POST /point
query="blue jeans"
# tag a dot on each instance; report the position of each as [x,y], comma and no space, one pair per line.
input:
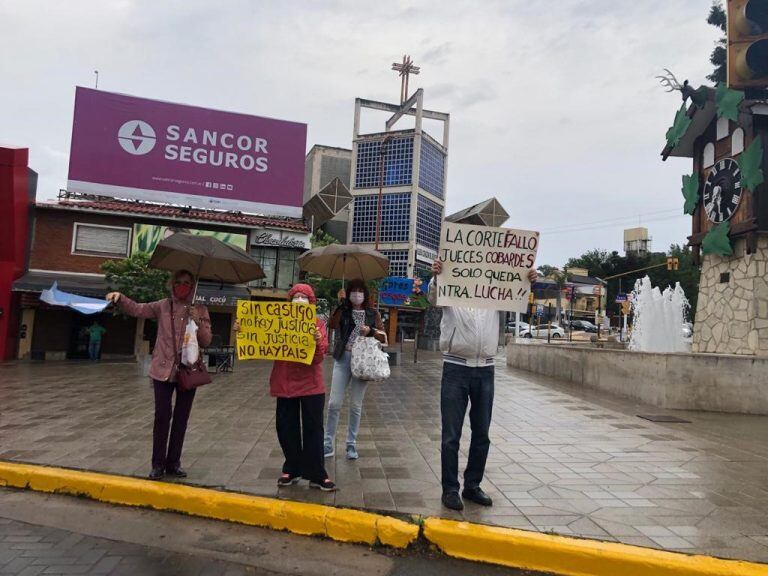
[460,386]
[342,377]
[93,350]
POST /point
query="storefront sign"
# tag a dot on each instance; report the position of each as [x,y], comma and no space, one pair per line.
[279,238]
[147,236]
[276,331]
[425,254]
[485,267]
[395,291]
[131,147]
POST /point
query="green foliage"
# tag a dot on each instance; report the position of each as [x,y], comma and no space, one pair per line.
[750,164]
[690,192]
[134,278]
[717,242]
[322,238]
[679,127]
[601,263]
[727,102]
[719,53]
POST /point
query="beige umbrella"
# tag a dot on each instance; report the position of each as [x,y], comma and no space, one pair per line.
[342,261]
[206,257]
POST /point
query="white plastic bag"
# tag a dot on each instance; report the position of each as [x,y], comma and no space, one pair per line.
[369,361]
[190,350]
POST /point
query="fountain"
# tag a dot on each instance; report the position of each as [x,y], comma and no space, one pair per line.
[659,318]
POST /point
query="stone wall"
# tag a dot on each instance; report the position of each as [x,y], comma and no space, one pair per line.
[732,316]
[712,382]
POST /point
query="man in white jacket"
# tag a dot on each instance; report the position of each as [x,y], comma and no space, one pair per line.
[469,339]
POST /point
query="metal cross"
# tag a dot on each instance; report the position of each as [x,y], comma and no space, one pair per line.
[405,69]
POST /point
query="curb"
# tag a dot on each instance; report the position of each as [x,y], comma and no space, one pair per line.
[495,545]
[340,524]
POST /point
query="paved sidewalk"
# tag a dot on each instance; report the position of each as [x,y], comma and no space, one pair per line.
[562,460]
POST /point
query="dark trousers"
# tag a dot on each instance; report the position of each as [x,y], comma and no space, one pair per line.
[462,385]
[167,454]
[299,423]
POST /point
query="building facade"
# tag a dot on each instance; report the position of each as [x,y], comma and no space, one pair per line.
[399,183]
[71,239]
[327,173]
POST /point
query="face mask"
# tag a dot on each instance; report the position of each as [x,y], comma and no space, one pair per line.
[182,291]
[300,300]
[356,298]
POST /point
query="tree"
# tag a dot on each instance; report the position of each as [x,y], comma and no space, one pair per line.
[134,278]
[719,55]
[560,278]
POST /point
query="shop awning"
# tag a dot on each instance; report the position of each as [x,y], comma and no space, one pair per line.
[76,284]
[209,293]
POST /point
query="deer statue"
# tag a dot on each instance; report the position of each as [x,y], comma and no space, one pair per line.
[698,96]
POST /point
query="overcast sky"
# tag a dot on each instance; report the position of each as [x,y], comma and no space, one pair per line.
[555,111]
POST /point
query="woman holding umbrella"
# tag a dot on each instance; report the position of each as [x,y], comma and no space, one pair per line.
[172,315]
[354,318]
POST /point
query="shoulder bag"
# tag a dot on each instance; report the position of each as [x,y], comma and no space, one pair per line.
[188,377]
[369,361]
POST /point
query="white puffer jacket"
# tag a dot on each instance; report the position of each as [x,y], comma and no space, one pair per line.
[468,336]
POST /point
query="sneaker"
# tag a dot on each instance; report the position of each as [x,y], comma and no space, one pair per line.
[352,452]
[157,473]
[328,451]
[326,485]
[287,480]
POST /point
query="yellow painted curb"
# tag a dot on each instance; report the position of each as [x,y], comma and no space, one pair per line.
[308,519]
[573,556]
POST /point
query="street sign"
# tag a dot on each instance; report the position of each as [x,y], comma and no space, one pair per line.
[621,298]
[539,309]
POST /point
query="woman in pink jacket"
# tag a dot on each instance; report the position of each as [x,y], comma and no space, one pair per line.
[178,309]
[300,393]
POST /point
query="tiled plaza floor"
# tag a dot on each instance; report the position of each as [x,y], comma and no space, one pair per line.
[562,460]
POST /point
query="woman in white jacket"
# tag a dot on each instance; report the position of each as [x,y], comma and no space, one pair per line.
[469,339]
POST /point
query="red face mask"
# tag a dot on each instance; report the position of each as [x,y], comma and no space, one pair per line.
[182,291]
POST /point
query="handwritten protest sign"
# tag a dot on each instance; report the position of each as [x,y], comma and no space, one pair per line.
[485,267]
[395,291]
[276,331]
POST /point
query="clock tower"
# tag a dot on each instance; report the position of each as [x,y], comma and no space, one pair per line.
[725,133]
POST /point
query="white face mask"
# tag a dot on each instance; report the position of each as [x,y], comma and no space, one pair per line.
[356,298]
[300,300]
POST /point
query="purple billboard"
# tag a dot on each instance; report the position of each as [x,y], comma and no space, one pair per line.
[128,147]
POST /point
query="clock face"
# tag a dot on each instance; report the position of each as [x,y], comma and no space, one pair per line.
[722,190]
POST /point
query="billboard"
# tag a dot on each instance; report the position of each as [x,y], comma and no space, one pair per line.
[147,236]
[128,147]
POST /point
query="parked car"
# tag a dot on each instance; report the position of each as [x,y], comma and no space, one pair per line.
[510,327]
[542,330]
[583,325]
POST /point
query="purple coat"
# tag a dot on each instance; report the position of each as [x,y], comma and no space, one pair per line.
[163,366]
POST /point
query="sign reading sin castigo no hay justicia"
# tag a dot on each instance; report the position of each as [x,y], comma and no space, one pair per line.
[276,331]
[485,267]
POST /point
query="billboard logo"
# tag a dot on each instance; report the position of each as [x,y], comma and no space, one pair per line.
[136,137]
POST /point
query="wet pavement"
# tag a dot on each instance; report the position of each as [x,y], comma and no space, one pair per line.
[562,460]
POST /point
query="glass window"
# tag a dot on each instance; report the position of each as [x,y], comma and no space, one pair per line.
[429,220]
[267,258]
[398,262]
[101,240]
[395,218]
[288,270]
[398,163]
[431,168]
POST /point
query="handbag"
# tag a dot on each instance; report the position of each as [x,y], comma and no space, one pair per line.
[369,361]
[188,377]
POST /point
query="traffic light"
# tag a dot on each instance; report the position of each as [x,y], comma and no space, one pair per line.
[672,263]
[747,43]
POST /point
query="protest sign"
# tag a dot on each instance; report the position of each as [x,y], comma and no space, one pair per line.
[276,331]
[485,267]
[395,291]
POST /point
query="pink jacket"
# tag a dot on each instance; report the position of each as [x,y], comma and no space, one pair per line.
[293,379]
[163,365]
